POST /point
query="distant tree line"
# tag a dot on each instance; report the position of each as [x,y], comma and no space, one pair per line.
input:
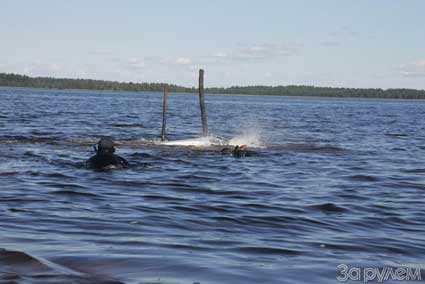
[15,80]
[323,92]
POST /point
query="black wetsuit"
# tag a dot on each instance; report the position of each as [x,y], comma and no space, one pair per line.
[238,152]
[105,161]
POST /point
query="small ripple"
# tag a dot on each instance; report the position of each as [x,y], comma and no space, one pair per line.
[199,178]
[229,220]
[124,125]
[266,251]
[415,171]
[142,155]
[184,247]
[346,247]
[185,208]
[197,189]
[396,135]
[310,148]
[363,178]
[8,173]
[73,193]
[18,139]
[154,197]
[58,175]
[214,208]
[399,149]
[219,243]
[22,199]
[329,208]
[405,184]
[18,210]
[61,185]
[351,197]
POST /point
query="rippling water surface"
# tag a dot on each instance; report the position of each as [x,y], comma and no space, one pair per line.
[334,181]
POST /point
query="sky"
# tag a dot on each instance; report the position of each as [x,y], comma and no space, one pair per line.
[337,43]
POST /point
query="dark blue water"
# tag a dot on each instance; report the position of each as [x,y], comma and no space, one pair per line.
[336,181]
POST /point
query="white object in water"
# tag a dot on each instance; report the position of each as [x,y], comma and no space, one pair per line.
[200,142]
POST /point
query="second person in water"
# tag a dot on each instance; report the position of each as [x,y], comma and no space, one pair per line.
[105,157]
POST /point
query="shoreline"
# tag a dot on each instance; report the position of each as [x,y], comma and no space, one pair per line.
[212,94]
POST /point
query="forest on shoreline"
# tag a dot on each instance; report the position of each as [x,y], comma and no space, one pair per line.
[16,80]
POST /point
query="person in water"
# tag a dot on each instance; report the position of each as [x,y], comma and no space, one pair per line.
[105,157]
[238,151]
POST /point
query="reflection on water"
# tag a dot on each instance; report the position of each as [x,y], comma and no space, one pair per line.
[334,181]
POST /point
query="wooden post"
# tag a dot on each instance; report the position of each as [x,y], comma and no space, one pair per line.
[164,113]
[202,103]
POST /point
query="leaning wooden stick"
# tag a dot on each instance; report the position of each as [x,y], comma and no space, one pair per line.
[202,103]
[164,113]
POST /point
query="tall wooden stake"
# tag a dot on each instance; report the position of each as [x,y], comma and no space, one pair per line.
[164,113]
[202,103]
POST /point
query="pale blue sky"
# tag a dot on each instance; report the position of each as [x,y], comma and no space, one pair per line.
[350,43]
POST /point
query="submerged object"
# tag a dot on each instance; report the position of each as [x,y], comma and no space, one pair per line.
[199,142]
[105,157]
[238,151]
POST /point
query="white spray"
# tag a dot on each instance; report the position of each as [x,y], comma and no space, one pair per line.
[251,137]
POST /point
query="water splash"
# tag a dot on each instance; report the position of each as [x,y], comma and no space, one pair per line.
[251,137]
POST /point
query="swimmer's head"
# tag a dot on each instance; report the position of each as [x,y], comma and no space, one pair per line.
[106,145]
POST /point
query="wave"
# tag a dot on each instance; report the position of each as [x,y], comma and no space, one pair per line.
[73,193]
[124,125]
[329,208]
[16,266]
[314,148]
[19,139]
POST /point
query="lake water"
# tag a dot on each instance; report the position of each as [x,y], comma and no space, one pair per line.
[334,181]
